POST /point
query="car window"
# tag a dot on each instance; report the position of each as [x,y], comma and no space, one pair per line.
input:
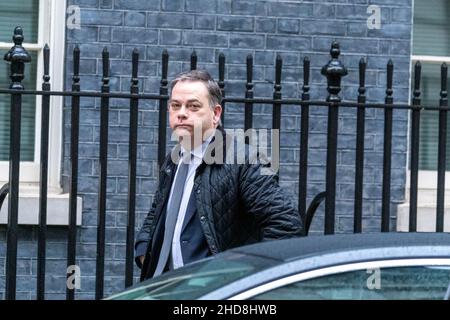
[197,279]
[418,282]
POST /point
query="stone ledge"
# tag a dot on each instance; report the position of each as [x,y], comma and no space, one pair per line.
[57,210]
[426,218]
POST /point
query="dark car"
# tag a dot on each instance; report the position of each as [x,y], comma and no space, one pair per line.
[352,266]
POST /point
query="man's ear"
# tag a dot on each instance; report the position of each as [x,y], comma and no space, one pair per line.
[217,113]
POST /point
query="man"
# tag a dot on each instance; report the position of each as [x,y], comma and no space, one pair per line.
[203,208]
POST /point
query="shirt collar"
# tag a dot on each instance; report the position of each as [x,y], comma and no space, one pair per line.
[199,152]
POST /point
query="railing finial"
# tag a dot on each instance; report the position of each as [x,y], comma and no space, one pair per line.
[334,70]
[17,56]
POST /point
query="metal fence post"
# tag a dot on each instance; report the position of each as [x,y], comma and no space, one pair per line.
[163,90]
[42,231]
[387,152]
[443,104]
[222,84]
[248,109]
[132,161]
[359,157]
[103,157]
[73,191]
[415,144]
[304,141]
[17,56]
[334,70]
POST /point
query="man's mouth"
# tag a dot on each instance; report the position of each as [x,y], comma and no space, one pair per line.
[183,126]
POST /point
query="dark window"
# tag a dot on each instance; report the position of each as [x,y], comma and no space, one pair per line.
[423,282]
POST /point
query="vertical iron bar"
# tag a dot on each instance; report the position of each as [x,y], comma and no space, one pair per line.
[163,90]
[276,115]
[248,118]
[103,163]
[333,116]
[387,153]
[334,71]
[222,83]
[42,231]
[194,60]
[134,104]
[415,127]
[443,103]
[359,159]
[13,204]
[75,129]
[304,135]
[17,56]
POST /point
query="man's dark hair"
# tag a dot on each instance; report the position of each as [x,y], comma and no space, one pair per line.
[215,96]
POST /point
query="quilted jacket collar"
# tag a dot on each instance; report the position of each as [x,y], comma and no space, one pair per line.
[168,165]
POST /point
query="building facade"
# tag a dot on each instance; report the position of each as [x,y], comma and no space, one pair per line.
[376,30]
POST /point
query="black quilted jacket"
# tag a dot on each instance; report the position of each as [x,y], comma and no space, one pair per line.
[236,205]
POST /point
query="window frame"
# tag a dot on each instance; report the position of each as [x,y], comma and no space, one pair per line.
[428,178]
[51,30]
[330,270]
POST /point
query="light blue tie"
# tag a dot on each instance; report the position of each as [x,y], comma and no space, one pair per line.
[173,209]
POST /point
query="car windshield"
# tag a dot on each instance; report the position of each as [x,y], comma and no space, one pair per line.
[197,279]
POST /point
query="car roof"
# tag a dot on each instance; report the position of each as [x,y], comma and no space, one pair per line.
[298,248]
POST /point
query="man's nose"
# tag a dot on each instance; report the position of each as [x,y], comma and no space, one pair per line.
[182,113]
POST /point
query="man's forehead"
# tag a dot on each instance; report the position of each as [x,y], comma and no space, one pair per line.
[190,86]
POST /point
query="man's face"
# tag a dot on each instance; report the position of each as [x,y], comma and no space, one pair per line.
[189,107]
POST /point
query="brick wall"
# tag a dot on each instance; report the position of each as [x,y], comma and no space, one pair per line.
[293,29]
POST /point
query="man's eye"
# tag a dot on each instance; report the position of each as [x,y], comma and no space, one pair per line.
[194,106]
[175,106]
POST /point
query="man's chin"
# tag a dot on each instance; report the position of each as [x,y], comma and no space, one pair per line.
[182,132]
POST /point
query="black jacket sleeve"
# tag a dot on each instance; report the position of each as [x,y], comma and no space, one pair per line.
[143,236]
[264,198]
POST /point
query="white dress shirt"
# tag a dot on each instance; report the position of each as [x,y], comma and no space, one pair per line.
[196,157]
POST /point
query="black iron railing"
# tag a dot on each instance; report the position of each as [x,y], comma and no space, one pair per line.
[334,71]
